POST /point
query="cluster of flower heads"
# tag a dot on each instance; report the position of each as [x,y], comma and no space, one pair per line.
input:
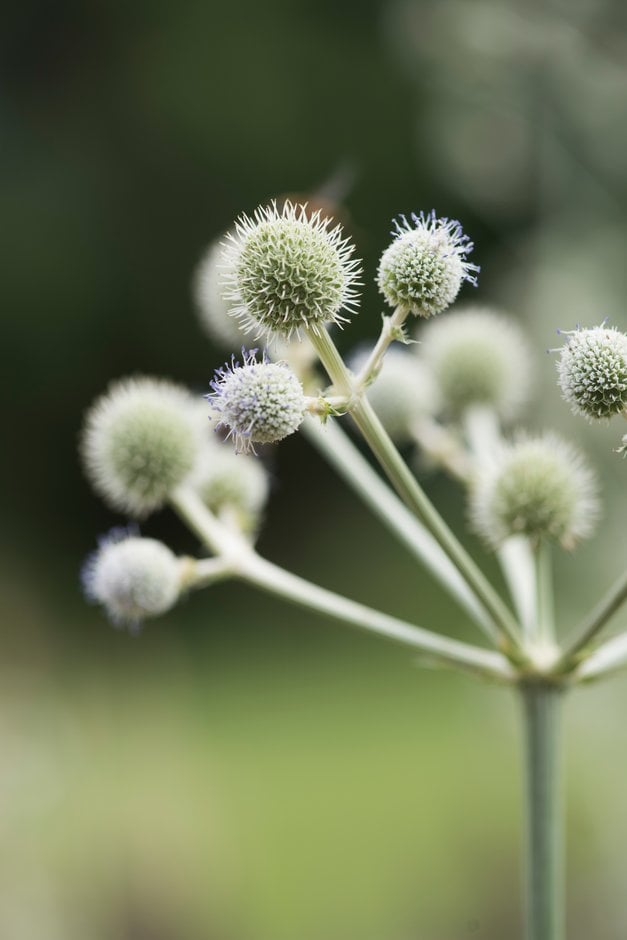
[287,271]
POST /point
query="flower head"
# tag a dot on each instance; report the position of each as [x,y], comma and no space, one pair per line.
[425,266]
[478,357]
[540,487]
[259,402]
[286,269]
[592,372]
[213,310]
[140,440]
[132,577]
[234,483]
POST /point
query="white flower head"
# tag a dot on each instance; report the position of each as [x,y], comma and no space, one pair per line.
[258,402]
[592,372]
[426,264]
[540,487]
[288,268]
[478,356]
[211,307]
[140,440]
[131,577]
[237,484]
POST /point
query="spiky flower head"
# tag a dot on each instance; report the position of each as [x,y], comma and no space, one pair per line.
[258,402]
[288,268]
[211,307]
[402,392]
[140,440]
[132,577]
[426,264]
[540,487]
[236,484]
[592,372]
[478,357]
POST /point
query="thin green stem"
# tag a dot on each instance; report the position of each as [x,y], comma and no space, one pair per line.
[392,330]
[545,618]
[598,617]
[505,631]
[338,449]
[243,562]
[544,905]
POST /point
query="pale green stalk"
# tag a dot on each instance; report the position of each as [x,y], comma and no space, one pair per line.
[392,330]
[609,657]
[544,869]
[335,445]
[243,562]
[598,617]
[412,493]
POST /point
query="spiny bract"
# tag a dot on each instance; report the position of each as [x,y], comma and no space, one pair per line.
[425,266]
[286,269]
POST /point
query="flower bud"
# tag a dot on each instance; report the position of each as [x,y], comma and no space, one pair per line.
[539,487]
[132,577]
[285,269]
[478,357]
[140,441]
[258,402]
[232,482]
[425,266]
[592,372]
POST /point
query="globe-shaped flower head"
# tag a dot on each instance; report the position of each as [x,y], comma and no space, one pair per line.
[285,269]
[426,264]
[141,439]
[132,577]
[258,402]
[592,372]
[538,487]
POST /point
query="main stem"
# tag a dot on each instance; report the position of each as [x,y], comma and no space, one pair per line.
[544,907]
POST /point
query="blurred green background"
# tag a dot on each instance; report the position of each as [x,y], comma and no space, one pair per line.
[244,771]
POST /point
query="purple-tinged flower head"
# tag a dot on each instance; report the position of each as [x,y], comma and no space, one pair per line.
[257,402]
[425,266]
[288,268]
[131,577]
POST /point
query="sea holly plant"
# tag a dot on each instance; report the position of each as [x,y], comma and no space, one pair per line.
[453,388]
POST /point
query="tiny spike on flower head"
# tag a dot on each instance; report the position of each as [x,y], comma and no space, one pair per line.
[425,266]
[592,372]
[259,402]
[286,269]
[540,487]
[131,577]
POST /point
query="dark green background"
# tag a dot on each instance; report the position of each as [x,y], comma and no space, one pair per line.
[245,770]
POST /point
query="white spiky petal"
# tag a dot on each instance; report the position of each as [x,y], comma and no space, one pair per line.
[288,268]
[541,487]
